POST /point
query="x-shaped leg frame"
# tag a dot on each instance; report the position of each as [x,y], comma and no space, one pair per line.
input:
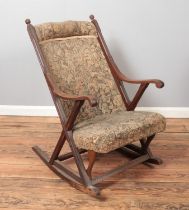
[83,180]
[134,151]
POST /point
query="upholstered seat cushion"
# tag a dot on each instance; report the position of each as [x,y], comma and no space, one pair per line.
[108,132]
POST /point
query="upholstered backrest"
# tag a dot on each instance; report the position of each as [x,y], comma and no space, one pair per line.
[77,65]
[65,29]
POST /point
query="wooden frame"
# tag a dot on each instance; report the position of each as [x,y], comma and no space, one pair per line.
[83,180]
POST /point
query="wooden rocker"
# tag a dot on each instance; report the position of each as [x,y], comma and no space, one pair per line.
[95,111]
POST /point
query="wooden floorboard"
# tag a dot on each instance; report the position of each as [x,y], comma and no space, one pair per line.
[26,183]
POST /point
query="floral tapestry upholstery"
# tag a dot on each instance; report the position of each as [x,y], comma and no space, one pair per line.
[108,132]
[78,66]
[47,31]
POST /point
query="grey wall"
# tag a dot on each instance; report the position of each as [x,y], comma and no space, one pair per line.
[147,38]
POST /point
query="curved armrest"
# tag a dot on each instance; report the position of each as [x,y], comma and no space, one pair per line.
[92,100]
[158,83]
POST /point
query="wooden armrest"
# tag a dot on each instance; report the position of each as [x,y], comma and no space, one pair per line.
[92,100]
[158,83]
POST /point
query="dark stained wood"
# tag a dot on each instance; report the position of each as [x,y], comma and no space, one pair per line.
[119,77]
[91,159]
[67,122]
[26,183]
[91,99]
[69,155]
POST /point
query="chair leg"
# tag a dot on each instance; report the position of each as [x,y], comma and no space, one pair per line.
[91,158]
[146,150]
[155,160]
[64,172]
[58,148]
[134,151]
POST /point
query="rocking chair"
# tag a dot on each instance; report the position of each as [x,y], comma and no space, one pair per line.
[95,111]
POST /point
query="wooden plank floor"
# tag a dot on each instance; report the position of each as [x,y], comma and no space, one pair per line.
[26,183]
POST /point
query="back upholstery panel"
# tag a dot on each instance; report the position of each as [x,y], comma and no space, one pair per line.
[77,66]
[65,29]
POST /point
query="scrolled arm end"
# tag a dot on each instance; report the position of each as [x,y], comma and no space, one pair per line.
[159,84]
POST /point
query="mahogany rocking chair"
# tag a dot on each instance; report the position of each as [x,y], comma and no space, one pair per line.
[95,111]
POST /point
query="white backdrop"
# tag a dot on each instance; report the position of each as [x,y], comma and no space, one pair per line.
[147,38]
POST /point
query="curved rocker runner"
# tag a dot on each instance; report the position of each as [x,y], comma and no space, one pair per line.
[96,114]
